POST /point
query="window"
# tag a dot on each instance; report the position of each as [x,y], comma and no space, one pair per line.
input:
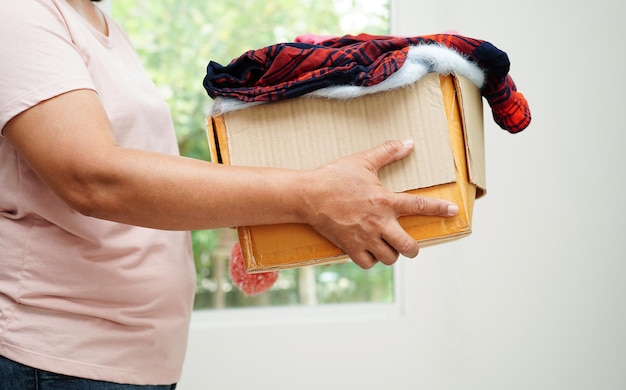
[176,39]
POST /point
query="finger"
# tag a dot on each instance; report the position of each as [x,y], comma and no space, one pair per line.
[383,252]
[407,204]
[401,242]
[363,259]
[388,152]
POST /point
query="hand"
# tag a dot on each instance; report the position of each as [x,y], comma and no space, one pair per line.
[350,207]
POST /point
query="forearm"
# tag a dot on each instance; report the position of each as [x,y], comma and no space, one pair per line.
[75,153]
[177,193]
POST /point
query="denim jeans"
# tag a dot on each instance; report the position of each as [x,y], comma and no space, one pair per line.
[16,376]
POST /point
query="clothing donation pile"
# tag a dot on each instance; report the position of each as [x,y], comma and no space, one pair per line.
[351,66]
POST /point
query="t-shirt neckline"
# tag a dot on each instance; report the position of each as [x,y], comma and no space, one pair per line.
[103,38]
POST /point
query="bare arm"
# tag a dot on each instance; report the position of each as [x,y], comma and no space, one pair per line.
[68,141]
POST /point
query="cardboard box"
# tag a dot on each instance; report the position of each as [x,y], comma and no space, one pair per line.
[443,114]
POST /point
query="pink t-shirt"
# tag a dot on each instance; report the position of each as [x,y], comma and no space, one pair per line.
[78,295]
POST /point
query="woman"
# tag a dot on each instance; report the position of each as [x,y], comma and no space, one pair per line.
[97,278]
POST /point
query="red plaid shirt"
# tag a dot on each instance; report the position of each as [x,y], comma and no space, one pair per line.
[288,70]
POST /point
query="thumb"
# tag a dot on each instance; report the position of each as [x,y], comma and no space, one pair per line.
[388,152]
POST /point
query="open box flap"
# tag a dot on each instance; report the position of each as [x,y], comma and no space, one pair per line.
[307,141]
[472,109]
[313,131]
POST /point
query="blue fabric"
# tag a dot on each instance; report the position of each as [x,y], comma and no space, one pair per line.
[16,376]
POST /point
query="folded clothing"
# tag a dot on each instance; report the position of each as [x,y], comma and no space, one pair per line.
[420,60]
[293,69]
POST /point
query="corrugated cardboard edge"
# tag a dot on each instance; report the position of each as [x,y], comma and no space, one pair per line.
[216,135]
[329,254]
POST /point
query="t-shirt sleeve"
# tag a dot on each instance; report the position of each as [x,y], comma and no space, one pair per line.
[39,60]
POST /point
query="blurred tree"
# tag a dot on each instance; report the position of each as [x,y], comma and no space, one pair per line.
[175,40]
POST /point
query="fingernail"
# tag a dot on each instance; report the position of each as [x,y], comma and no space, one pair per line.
[453,209]
[408,143]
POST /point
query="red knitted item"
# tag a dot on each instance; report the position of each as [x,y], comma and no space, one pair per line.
[249,284]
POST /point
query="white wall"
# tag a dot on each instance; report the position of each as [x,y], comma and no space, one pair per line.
[536,298]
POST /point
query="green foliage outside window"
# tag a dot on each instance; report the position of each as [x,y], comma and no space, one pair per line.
[175,40]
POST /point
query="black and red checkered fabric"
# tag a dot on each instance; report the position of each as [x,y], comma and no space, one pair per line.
[289,70]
